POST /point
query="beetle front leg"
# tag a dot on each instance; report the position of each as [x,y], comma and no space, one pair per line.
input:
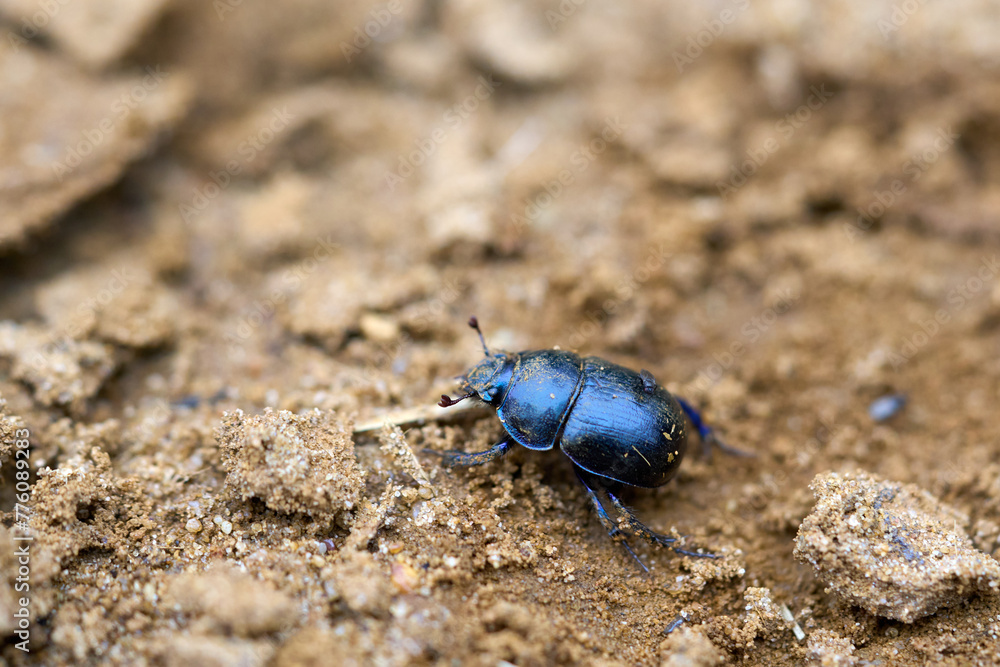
[456,459]
[639,529]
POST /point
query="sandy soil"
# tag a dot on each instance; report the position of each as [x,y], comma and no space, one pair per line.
[238,237]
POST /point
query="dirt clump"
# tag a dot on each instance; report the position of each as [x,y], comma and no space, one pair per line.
[688,647]
[892,548]
[828,649]
[224,600]
[293,463]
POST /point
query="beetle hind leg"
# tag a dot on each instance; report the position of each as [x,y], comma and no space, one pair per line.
[707,435]
[602,515]
[639,529]
[456,459]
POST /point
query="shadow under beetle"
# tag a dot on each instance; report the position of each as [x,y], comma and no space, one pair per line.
[618,427]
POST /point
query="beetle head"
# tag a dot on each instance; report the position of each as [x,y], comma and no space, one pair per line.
[491,377]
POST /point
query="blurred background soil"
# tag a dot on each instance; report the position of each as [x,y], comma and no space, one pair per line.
[237,236]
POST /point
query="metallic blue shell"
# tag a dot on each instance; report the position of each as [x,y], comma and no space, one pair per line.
[606,418]
[541,392]
[618,430]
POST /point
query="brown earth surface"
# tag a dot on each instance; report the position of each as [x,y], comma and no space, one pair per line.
[237,238]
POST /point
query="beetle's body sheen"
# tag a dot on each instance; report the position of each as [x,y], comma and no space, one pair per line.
[616,426]
[609,420]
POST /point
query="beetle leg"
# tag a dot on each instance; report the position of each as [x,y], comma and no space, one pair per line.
[453,459]
[639,529]
[707,435]
[602,515]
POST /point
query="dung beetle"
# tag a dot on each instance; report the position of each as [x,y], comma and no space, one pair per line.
[618,427]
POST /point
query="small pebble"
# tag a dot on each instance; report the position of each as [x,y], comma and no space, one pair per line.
[193,526]
[404,577]
[886,407]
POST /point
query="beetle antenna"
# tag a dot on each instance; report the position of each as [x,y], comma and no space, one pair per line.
[474,323]
[447,401]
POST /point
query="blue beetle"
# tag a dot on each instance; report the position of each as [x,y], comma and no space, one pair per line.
[618,427]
